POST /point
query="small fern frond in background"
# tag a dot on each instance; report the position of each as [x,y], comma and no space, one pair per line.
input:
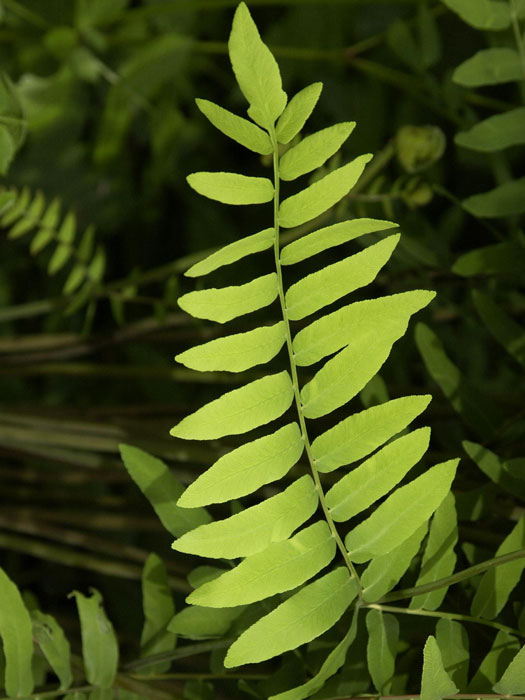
[27,214]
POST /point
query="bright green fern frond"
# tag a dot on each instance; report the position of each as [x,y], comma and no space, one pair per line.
[282,552]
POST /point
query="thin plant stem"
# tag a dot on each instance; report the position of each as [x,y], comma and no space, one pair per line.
[440,614]
[293,368]
[181,653]
[455,578]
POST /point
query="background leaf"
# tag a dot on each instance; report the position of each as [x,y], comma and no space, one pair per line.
[159,609]
[162,490]
[99,643]
[16,633]
[383,631]
[435,683]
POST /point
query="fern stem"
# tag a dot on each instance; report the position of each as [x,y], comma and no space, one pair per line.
[449,616]
[293,369]
[455,578]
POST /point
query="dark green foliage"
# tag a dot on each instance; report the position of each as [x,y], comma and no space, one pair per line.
[97,117]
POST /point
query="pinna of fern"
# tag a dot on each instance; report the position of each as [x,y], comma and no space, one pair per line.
[290,543]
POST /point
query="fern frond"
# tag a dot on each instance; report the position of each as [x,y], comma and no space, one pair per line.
[281,552]
[23,213]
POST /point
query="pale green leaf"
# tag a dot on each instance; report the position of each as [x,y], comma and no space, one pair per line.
[99,643]
[383,636]
[439,558]
[240,410]
[64,249]
[343,376]
[7,200]
[83,255]
[489,67]
[75,279]
[197,622]
[241,130]
[401,514]
[498,259]
[255,69]
[86,245]
[321,195]
[30,218]
[47,227]
[375,477]
[513,680]
[313,151]
[453,642]
[247,468]
[499,657]
[498,582]
[232,252]
[202,574]
[53,643]
[297,112]
[495,133]
[506,331]
[481,14]
[301,618]
[332,664]
[360,325]
[505,200]
[226,303]
[159,609]
[282,566]
[162,490]
[435,683]
[385,571]
[97,265]
[232,188]
[17,208]
[237,352]
[360,434]
[340,380]
[16,634]
[7,150]
[329,237]
[255,528]
[325,286]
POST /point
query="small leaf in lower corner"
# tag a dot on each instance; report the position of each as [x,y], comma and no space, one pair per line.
[99,643]
[513,680]
[16,634]
[435,683]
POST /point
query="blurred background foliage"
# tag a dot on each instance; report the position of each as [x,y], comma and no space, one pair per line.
[98,130]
